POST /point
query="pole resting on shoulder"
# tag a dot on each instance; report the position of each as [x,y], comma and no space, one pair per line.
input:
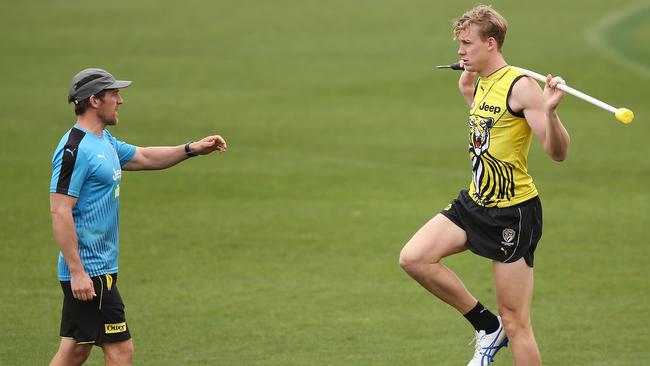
[623,115]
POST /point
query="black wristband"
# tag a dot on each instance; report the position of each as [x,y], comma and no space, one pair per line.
[189,152]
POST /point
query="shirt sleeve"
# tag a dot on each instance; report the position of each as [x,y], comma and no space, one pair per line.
[124,151]
[69,171]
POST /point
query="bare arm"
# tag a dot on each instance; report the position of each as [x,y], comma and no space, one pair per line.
[66,236]
[466,84]
[540,110]
[162,157]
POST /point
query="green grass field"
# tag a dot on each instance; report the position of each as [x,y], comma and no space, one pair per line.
[343,141]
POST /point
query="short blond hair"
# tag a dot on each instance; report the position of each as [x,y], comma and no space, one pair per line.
[489,22]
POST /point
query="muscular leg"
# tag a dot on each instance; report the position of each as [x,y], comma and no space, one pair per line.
[118,353]
[514,289]
[421,256]
[70,353]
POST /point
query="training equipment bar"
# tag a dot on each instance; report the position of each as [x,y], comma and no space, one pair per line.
[622,114]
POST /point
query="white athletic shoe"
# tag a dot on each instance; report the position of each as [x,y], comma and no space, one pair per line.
[487,346]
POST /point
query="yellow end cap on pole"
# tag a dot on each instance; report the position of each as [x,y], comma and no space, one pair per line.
[624,115]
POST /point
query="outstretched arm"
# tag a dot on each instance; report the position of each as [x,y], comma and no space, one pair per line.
[162,157]
[540,110]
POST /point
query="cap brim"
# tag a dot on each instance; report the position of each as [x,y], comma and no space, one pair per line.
[119,84]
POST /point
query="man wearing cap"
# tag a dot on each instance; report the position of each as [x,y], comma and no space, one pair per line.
[84,202]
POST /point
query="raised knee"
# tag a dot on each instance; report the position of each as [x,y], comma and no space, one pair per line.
[408,261]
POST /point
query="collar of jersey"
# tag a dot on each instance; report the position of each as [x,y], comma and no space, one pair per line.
[497,74]
[88,132]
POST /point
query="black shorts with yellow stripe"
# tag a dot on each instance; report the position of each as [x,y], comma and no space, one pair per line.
[99,321]
[503,234]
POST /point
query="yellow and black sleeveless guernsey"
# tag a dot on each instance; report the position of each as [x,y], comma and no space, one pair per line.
[499,140]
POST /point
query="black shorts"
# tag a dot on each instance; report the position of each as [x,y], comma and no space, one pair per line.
[501,234]
[95,322]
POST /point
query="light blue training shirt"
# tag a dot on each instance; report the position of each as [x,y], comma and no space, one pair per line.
[89,168]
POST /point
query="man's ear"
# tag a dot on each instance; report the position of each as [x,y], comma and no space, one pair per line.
[492,43]
[94,101]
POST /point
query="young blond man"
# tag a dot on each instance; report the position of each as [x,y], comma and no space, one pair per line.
[500,216]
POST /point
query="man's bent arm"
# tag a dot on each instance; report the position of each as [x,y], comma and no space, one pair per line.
[557,140]
[540,112]
[466,85]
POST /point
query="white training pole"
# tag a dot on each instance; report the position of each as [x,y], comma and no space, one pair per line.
[622,114]
[570,90]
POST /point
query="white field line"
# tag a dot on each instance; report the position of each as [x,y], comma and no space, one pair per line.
[596,37]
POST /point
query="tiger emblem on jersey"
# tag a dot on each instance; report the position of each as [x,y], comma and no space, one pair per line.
[492,178]
[479,133]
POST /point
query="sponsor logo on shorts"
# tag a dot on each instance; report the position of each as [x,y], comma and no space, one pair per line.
[115,328]
[508,235]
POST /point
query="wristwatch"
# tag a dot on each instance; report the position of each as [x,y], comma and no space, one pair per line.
[189,152]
